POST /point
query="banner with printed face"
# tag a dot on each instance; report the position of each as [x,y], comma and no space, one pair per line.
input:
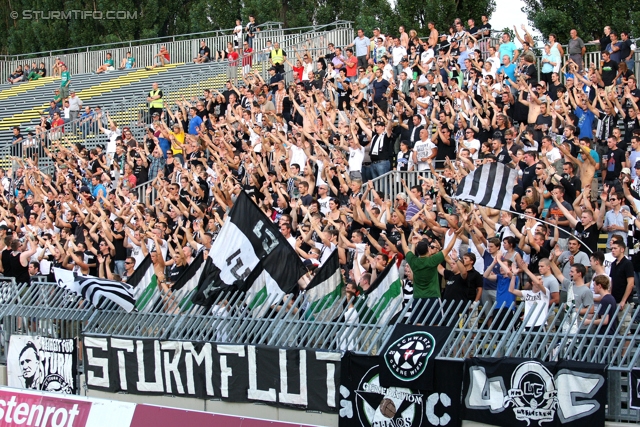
[514,392]
[40,363]
[409,358]
[294,378]
[364,402]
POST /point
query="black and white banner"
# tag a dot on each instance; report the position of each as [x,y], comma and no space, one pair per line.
[364,402]
[408,359]
[252,256]
[522,392]
[634,389]
[299,378]
[40,363]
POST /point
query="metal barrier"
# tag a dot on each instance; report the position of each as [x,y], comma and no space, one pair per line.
[127,112]
[181,48]
[48,310]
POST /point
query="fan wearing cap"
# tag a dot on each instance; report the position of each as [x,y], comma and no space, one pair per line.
[424,257]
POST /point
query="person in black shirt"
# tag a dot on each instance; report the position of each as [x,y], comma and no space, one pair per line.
[622,279]
[464,283]
[614,161]
[380,148]
[608,69]
[528,71]
[204,54]
[534,246]
[446,145]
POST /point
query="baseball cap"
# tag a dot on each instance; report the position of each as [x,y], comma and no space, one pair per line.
[626,171]
[380,123]
[637,166]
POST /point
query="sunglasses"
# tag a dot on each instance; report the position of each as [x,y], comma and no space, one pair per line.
[128,262]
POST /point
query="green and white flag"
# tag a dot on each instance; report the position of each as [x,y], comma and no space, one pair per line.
[324,292]
[250,255]
[384,296]
[145,285]
[187,283]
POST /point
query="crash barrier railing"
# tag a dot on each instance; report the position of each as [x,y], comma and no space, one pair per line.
[132,110]
[48,310]
[181,48]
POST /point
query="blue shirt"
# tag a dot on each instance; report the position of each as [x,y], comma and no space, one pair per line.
[362,46]
[507,49]
[463,55]
[194,124]
[509,71]
[489,285]
[97,190]
[504,298]
[380,88]
[585,122]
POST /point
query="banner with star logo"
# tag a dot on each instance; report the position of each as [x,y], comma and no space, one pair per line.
[408,359]
[364,402]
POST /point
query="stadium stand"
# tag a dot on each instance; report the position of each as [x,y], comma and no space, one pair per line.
[304,220]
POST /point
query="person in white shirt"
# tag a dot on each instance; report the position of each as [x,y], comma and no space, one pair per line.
[285,229]
[471,143]
[536,300]
[356,155]
[237,33]
[427,58]
[323,198]
[424,151]
[397,53]
[112,133]
[548,149]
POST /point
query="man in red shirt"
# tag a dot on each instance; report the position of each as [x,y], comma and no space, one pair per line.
[351,63]
[232,56]
[163,58]
[247,58]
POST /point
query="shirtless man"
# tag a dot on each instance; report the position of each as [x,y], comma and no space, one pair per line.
[156,256]
[533,103]
[586,164]
[433,35]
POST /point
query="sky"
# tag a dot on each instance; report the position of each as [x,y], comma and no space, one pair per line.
[509,13]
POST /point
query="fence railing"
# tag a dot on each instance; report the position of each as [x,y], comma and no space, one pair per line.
[131,110]
[181,48]
[48,310]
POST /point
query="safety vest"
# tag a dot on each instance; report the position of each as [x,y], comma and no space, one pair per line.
[277,56]
[156,103]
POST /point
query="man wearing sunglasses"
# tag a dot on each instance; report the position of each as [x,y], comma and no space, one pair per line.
[129,265]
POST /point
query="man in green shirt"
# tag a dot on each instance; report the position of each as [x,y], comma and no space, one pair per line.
[65,82]
[424,258]
[108,65]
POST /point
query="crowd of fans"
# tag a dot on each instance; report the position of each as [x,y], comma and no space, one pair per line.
[307,146]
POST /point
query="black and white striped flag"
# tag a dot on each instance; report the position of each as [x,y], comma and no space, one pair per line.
[490,185]
[250,255]
[93,289]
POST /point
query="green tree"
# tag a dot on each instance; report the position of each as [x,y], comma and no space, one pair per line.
[588,18]
[416,15]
